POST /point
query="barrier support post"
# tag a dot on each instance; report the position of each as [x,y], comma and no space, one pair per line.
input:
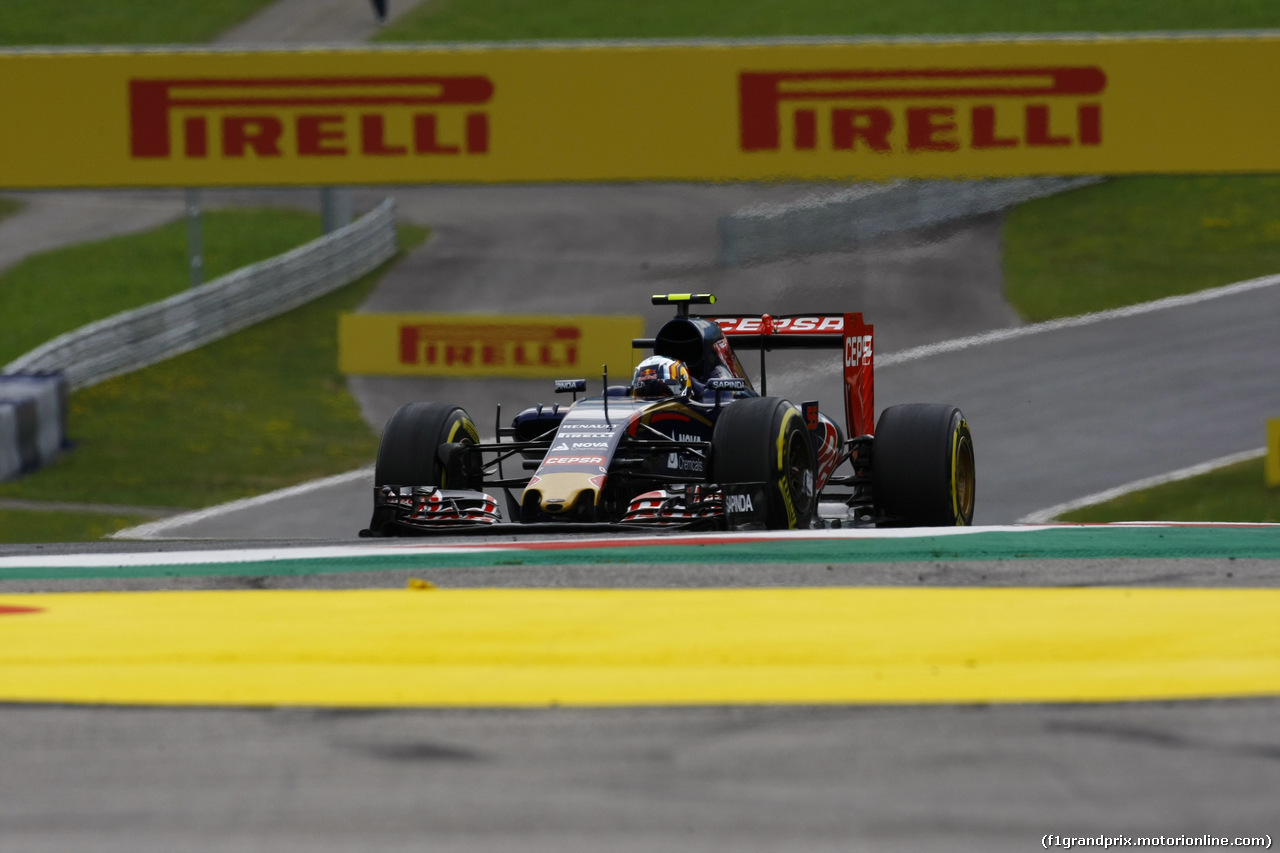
[1273,452]
[195,239]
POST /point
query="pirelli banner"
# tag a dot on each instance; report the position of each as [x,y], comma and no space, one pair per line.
[469,345]
[622,112]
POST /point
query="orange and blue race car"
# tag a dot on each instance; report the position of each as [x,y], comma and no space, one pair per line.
[689,444]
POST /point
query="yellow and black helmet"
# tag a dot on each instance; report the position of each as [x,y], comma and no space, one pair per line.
[659,376]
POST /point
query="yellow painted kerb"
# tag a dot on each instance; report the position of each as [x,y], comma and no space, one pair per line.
[430,647]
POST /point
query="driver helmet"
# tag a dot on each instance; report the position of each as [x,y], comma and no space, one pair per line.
[659,376]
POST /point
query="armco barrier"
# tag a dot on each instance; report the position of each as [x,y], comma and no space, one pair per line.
[32,421]
[143,336]
[845,219]
[135,339]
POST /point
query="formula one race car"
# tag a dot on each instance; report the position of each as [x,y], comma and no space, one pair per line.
[689,444]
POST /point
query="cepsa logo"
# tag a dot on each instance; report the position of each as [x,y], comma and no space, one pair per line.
[309,117]
[921,111]
[530,345]
[573,460]
[857,351]
[766,325]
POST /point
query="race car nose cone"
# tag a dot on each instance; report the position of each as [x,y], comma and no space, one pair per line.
[560,506]
[567,494]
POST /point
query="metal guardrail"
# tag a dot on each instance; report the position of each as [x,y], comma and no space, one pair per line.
[33,423]
[143,336]
[845,219]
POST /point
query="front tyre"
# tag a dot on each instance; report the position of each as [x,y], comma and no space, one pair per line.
[764,440]
[414,447]
[922,468]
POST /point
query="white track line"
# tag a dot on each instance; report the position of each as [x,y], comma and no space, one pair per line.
[1047,515]
[157,529]
[957,344]
[269,554]
[425,548]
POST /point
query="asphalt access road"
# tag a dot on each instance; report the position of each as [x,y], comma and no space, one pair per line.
[313,22]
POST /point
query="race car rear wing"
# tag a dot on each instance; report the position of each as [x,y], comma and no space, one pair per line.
[845,332]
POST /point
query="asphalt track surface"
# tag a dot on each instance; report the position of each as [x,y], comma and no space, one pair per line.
[1055,415]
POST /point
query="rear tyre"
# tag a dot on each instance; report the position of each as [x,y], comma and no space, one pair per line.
[922,468]
[764,440]
[410,452]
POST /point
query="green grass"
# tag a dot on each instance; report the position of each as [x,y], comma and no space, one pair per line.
[500,20]
[1235,493]
[260,410]
[30,526]
[75,22]
[9,206]
[55,292]
[1137,239]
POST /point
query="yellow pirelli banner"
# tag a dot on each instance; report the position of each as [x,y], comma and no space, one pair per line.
[475,345]
[725,111]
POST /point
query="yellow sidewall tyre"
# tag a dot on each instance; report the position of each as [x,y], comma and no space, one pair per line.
[409,453]
[764,440]
[922,467]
